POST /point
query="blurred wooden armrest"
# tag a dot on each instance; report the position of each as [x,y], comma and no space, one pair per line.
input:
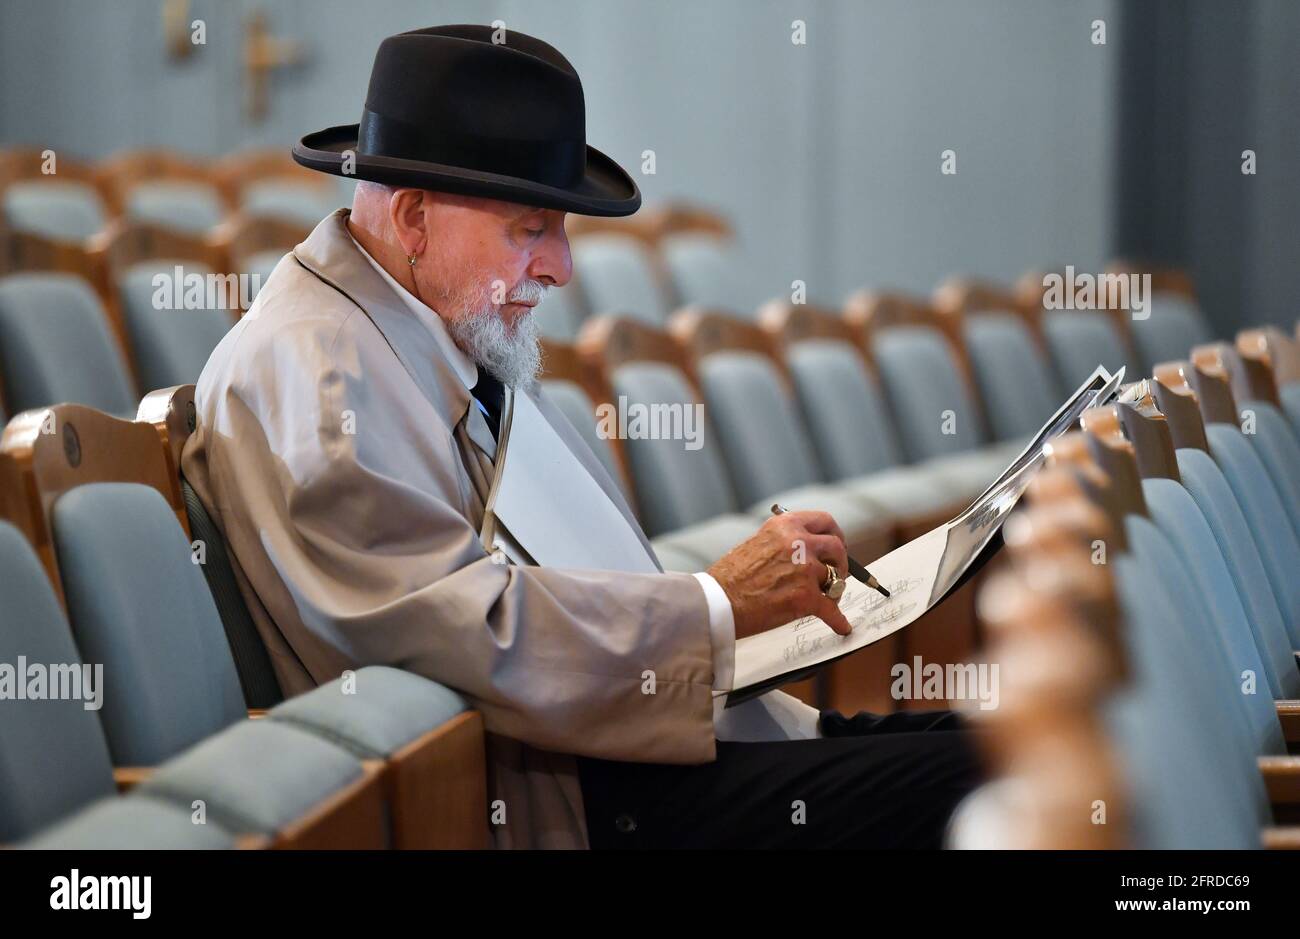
[1288,715]
[128,777]
[1284,838]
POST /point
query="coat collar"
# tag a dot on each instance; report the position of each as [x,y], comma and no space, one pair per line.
[332,255]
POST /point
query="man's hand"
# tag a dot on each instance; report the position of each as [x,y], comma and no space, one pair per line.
[777,575]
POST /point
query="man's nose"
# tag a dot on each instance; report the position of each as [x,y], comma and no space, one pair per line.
[552,263]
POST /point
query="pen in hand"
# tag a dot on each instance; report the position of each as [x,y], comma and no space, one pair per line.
[856,569]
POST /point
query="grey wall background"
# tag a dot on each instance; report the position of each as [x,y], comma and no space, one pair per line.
[827,155]
[1204,81]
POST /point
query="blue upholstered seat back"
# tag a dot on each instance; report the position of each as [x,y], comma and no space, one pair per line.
[1174,327]
[189,207]
[926,392]
[675,486]
[842,408]
[1018,389]
[293,202]
[139,605]
[53,756]
[561,314]
[1237,670]
[63,210]
[1164,732]
[1289,393]
[704,270]
[1205,482]
[757,425]
[1275,441]
[55,346]
[617,277]
[1265,515]
[1080,340]
[171,346]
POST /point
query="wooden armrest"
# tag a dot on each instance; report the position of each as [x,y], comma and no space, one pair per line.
[1284,838]
[128,777]
[1288,715]
[258,713]
[1281,778]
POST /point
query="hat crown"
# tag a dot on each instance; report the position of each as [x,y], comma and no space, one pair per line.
[458,82]
[475,111]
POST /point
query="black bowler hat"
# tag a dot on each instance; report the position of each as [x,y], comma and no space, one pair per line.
[450,110]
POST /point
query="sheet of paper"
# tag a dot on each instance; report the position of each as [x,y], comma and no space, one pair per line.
[918,574]
[541,484]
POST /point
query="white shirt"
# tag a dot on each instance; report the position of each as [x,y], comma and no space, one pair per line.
[722,624]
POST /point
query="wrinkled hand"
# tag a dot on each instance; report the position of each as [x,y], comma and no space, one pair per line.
[765,582]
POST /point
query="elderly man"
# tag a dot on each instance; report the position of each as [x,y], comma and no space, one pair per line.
[349,434]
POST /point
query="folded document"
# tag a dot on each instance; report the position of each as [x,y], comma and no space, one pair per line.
[918,574]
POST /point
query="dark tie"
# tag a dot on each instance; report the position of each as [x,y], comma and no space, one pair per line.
[490,393]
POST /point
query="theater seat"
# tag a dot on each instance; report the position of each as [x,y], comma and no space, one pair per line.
[134,822]
[1080,340]
[560,315]
[166,655]
[58,209]
[704,271]
[767,453]
[685,497]
[285,199]
[1017,387]
[1235,655]
[55,346]
[252,663]
[1183,798]
[1274,440]
[1266,516]
[171,346]
[855,443]
[54,759]
[275,780]
[186,206]
[924,389]
[617,276]
[429,739]
[1175,325]
[140,606]
[675,487]
[1205,482]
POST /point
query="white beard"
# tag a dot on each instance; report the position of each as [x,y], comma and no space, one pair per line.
[513,357]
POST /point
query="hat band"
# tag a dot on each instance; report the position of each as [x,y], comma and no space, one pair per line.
[558,163]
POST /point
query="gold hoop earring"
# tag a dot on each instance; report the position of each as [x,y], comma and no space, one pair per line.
[410,259]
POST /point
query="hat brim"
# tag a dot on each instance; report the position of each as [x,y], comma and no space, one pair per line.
[605,188]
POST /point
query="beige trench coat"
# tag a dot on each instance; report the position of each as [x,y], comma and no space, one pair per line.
[340,456]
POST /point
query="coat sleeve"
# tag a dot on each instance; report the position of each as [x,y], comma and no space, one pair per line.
[340,488]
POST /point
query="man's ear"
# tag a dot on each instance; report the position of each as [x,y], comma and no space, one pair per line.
[406,212]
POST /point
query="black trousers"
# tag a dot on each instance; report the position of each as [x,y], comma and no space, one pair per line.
[871,781]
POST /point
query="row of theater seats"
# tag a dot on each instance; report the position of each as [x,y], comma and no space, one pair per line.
[748,369]
[45,193]
[680,256]
[187,742]
[1146,620]
[892,415]
[1201,519]
[94,323]
[794,411]
[81,247]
